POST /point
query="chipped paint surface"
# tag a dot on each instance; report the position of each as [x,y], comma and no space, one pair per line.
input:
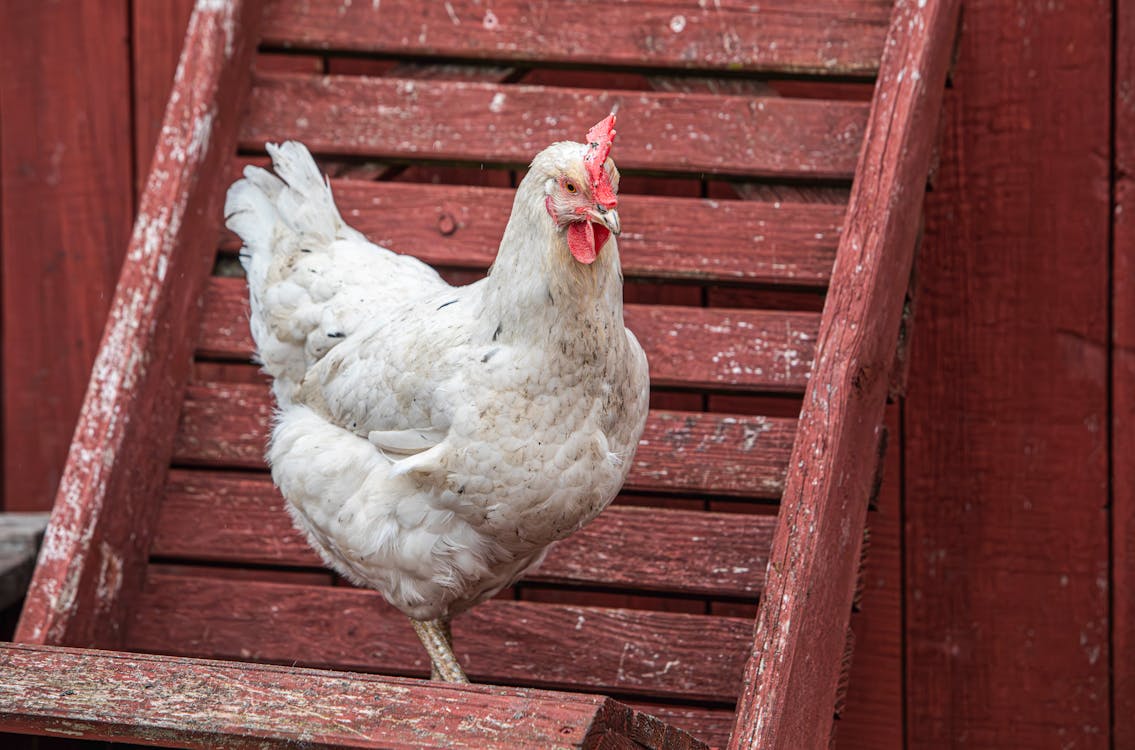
[71,568]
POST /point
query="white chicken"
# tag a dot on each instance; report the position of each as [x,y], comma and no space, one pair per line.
[432,441]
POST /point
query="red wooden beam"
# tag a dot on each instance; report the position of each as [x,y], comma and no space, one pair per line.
[842,36]
[751,242]
[177,702]
[791,678]
[217,517]
[691,347]
[474,122]
[226,424]
[95,548]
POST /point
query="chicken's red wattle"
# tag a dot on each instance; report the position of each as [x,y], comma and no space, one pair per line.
[585,239]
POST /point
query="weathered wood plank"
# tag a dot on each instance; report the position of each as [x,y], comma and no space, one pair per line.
[66,202]
[752,242]
[844,37]
[180,702]
[91,562]
[485,122]
[218,517]
[621,651]
[802,620]
[692,347]
[226,424]
[1006,415]
[1123,384]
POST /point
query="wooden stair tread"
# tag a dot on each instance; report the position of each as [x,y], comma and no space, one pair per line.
[693,347]
[487,122]
[197,702]
[620,651]
[225,425]
[843,37]
[219,517]
[731,241]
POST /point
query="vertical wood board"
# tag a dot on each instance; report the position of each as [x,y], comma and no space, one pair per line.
[66,169]
[1006,421]
[791,678]
[91,563]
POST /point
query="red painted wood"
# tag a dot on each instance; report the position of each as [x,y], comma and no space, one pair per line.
[756,242]
[90,562]
[484,122]
[178,702]
[157,31]
[1123,386]
[238,519]
[828,37]
[1006,445]
[225,424]
[873,716]
[687,346]
[791,678]
[622,651]
[66,203]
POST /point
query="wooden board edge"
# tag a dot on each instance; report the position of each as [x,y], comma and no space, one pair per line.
[186,702]
[93,553]
[791,679]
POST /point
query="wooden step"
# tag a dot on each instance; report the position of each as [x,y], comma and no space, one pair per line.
[184,702]
[226,425]
[235,519]
[688,347]
[717,241]
[782,36]
[772,137]
[616,651]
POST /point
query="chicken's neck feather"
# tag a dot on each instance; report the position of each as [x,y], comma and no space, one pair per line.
[536,285]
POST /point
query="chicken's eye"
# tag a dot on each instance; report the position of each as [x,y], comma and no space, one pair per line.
[570,187]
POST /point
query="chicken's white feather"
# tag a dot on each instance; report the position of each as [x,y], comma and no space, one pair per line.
[433,441]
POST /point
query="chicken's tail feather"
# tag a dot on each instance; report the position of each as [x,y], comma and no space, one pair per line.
[279,217]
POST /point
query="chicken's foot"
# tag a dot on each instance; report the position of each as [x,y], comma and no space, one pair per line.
[435,635]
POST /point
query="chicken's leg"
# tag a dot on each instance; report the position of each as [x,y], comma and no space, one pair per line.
[435,636]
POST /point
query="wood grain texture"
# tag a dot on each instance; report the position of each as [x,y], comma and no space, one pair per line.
[179,702]
[791,679]
[758,242]
[92,555]
[1006,446]
[157,31]
[226,424]
[843,37]
[622,651]
[762,350]
[486,122]
[66,202]
[216,517]
[1123,384]
[873,716]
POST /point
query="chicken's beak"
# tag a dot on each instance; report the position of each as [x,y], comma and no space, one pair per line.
[608,217]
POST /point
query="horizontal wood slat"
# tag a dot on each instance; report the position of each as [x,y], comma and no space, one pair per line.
[226,424]
[733,241]
[843,37]
[487,122]
[621,651]
[759,350]
[180,702]
[218,517]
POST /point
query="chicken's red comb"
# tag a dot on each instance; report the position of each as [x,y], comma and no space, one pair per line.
[599,140]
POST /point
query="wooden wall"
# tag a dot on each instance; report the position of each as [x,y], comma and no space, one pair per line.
[1004,565]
